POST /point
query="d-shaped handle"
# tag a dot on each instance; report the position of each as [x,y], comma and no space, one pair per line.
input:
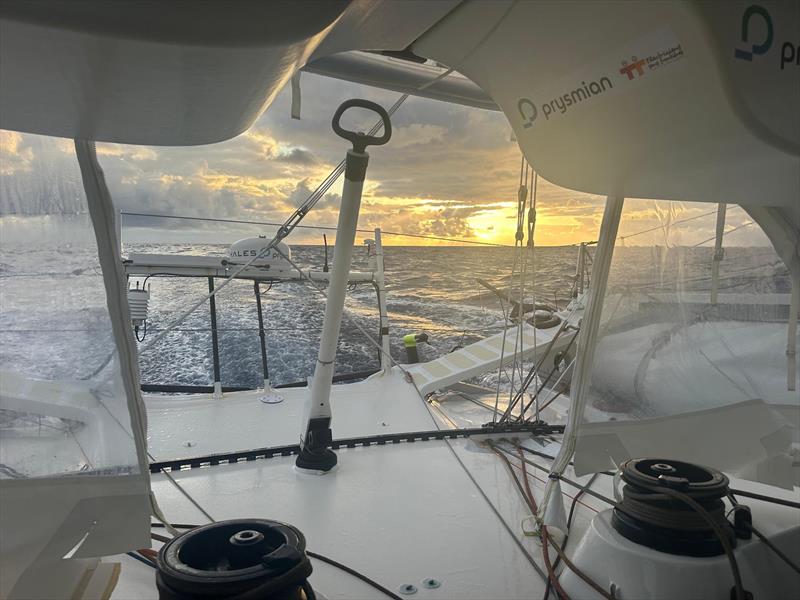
[361,140]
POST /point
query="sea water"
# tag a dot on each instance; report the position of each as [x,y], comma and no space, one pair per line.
[54,325]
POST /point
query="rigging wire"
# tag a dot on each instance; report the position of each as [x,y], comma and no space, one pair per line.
[500,365]
[345,311]
[519,259]
[657,227]
[283,231]
[495,510]
[702,512]
[185,493]
[315,555]
[320,227]
[572,567]
[764,538]
[387,592]
[293,222]
[740,594]
[743,225]
[774,548]
[478,487]
[547,539]
[535,396]
[572,506]
[715,527]
[763,498]
[532,251]
[553,578]
[141,559]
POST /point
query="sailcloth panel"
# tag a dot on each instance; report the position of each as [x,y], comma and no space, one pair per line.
[72,481]
[677,376]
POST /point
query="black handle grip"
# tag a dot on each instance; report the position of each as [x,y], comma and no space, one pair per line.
[362,140]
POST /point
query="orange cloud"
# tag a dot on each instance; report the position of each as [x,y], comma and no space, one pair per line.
[14,156]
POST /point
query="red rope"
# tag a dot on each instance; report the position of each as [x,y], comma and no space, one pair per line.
[545,554]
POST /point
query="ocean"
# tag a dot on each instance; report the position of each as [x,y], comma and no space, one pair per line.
[53,323]
[431,290]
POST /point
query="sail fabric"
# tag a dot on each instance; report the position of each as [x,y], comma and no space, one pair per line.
[72,448]
[646,100]
[678,376]
[177,74]
[669,100]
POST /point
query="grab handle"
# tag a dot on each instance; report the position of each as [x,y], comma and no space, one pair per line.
[361,140]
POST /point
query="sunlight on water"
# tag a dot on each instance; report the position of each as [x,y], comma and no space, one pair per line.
[431,290]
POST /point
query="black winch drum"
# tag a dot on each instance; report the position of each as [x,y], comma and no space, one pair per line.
[665,523]
[240,559]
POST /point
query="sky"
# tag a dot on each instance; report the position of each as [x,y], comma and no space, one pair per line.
[448,171]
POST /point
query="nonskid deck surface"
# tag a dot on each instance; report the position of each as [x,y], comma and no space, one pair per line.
[197,425]
[399,514]
[189,426]
[402,513]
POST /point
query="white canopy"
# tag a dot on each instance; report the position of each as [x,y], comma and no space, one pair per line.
[670,100]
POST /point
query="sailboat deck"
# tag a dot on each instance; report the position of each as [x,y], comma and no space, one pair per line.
[196,425]
[398,513]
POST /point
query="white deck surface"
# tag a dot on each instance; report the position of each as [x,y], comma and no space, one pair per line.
[397,513]
[196,425]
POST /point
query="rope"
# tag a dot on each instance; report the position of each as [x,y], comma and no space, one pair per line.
[715,526]
[532,251]
[354,573]
[519,258]
[552,577]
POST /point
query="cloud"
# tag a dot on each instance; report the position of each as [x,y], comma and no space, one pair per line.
[448,171]
[134,153]
[299,156]
[14,154]
[417,134]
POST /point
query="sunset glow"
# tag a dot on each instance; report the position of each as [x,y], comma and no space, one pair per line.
[449,172]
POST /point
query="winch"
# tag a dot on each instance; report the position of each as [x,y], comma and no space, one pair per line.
[239,558]
[668,537]
[650,516]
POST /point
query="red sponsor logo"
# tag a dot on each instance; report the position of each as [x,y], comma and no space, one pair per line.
[633,69]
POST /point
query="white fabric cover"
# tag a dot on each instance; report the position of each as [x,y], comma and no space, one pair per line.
[678,377]
[74,479]
[689,122]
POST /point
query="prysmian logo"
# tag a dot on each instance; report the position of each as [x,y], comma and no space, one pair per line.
[528,111]
[760,45]
[561,103]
